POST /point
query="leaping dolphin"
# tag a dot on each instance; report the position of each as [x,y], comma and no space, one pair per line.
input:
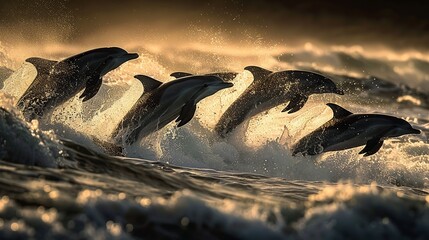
[161,103]
[58,81]
[269,90]
[347,130]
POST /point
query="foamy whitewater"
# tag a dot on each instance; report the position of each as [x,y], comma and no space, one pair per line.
[56,182]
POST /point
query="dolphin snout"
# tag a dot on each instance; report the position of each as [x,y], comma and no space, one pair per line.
[225,85]
[132,55]
[414,131]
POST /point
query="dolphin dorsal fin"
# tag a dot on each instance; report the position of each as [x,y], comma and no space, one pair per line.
[180,74]
[259,74]
[43,66]
[149,83]
[339,112]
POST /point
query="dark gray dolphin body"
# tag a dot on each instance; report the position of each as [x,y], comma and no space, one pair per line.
[161,103]
[58,81]
[269,90]
[347,130]
[226,76]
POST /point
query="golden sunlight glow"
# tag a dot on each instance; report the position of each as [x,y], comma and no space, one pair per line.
[4,201]
[114,228]
[145,202]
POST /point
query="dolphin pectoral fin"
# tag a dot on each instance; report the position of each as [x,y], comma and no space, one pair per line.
[339,112]
[187,113]
[148,83]
[295,104]
[371,147]
[93,84]
[43,66]
[374,149]
[180,74]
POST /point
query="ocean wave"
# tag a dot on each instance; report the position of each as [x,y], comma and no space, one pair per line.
[344,211]
[23,142]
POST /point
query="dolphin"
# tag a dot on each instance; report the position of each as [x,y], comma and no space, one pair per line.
[58,81]
[270,89]
[226,76]
[347,130]
[161,103]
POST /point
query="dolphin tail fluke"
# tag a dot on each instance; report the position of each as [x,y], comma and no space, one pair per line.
[259,74]
[187,113]
[42,65]
[295,104]
[371,147]
[180,74]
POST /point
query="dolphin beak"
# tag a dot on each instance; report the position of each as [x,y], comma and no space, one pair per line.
[227,84]
[414,131]
[132,55]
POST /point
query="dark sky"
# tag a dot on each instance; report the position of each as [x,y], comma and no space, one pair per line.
[395,24]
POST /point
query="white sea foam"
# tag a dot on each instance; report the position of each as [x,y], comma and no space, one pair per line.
[23,142]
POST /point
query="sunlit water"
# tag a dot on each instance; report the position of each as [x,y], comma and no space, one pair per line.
[188,183]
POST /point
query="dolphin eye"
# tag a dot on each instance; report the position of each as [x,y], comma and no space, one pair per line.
[206,85]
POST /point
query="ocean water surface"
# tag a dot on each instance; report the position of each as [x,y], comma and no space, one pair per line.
[187,183]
